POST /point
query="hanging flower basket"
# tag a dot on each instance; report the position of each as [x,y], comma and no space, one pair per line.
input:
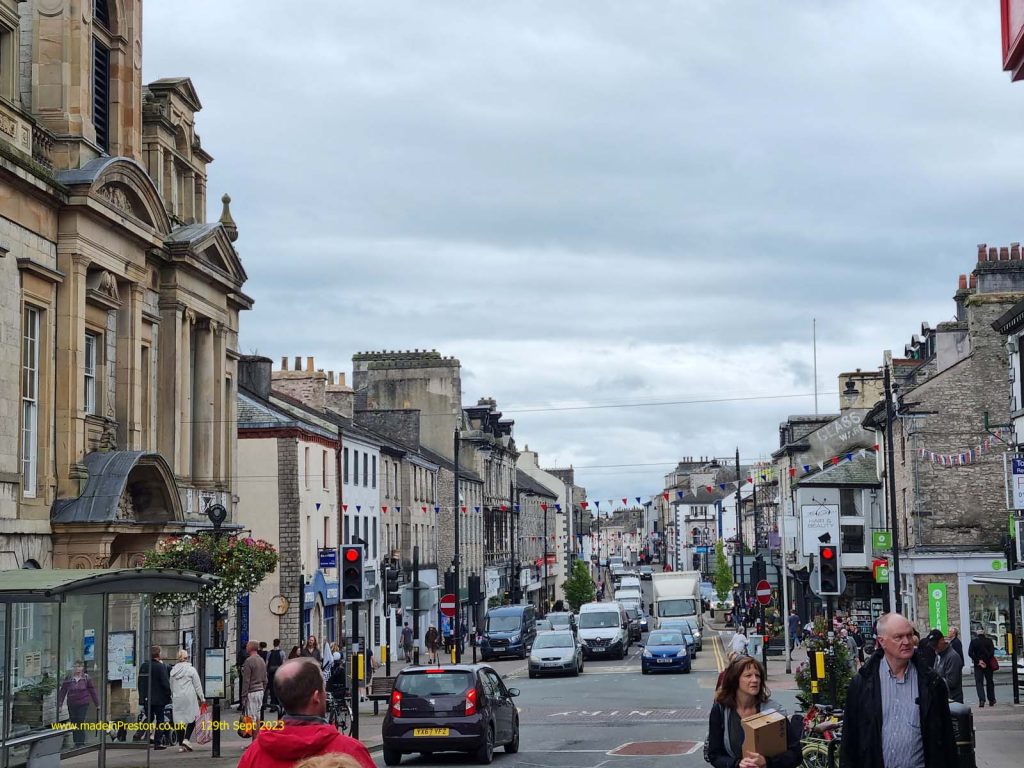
[241,564]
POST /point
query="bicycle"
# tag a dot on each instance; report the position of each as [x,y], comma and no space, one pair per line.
[823,733]
[339,713]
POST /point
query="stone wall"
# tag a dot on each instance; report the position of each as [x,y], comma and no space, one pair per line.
[289,565]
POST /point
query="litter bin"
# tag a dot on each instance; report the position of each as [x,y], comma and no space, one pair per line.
[963,734]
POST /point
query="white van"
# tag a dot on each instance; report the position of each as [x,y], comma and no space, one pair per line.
[630,582]
[603,630]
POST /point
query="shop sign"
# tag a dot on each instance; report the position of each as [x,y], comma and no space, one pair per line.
[1015,482]
[820,525]
[880,570]
[937,607]
[881,540]
[998,565]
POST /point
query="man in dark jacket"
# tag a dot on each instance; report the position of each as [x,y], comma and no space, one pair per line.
[155,694]
[948,664]
[982,650]
[897,708]
[954,642]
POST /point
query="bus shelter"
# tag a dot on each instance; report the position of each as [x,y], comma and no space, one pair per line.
[71,646]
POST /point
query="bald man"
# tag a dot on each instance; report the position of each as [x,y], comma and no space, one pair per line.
[897,708]
[299,687]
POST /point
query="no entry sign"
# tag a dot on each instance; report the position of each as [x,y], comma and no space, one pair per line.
[764,592]
[448,606]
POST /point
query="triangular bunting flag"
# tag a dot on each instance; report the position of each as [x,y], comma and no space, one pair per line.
[384,510]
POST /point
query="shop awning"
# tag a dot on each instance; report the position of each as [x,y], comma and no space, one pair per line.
[1013,578]
[42,586]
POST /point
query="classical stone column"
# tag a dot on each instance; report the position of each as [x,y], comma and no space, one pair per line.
[69,411]
[189,191]
[168,401]
[222,425]
[129,368]
[204,391]
[186,416]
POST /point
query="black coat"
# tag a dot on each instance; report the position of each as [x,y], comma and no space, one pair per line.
[958,647]
[862,721]
[158,690]
[718,756]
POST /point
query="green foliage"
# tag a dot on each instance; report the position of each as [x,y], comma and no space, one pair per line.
[579,587]
[837,663]
[723,573]
[241,564]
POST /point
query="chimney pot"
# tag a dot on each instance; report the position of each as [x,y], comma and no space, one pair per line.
[963,282]
[1015,251]
[993,254]
[982,252]
[973,281]
[341,378]
[284,362]
[330,377]
[309,364]
[1004,253]
[298,363]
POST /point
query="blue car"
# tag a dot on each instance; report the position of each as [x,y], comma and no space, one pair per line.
[665,650]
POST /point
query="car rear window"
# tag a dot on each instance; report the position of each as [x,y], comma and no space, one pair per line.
[434,682]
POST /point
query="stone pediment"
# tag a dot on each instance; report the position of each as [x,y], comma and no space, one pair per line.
[121,184]
[209,245]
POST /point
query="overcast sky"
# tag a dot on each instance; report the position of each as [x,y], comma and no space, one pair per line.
[605,203]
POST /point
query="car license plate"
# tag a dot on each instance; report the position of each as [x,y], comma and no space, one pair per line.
[429,731]
[551,663]
[664,661]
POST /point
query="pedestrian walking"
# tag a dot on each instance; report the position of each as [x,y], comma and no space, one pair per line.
[311,650]
[186,698]
[743,693]
[254,683]
[793,621]
[274,661]
[954,640]
[78,692]
[431,639]
[294,653]
[407,642]
[739,643]
[948,664]
[264,652]
[851,649]
[983,655]
[897,707]
[155,694]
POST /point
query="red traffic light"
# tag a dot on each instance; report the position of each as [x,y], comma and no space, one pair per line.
[352,554]
[828,553]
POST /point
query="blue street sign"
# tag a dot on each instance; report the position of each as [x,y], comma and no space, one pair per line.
[701,550]
[328,558]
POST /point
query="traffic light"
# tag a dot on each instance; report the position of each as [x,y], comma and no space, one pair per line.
[828,568]
[391,585]
[352,573]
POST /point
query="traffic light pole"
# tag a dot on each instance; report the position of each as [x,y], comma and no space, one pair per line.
[890,483]
[355,670]
[456,627]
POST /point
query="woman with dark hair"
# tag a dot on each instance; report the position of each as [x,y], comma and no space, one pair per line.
[744,693]
[294,652]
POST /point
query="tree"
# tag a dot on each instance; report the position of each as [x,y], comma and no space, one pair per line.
[723,573]
[579,587]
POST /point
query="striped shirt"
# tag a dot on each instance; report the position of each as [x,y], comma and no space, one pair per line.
[902,746]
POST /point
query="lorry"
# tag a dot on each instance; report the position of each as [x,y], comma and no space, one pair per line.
[676,594]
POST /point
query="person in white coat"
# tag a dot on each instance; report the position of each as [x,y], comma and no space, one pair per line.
[186,697]
[739,644]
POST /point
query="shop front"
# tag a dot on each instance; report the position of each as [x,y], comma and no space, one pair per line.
[941,591]
[71,644]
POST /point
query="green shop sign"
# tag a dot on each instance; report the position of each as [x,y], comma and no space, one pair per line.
[937,607]
[881,540]
[882,574]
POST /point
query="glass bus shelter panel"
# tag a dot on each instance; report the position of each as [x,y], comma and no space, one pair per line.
[80,691]
[127,641]
[34,675]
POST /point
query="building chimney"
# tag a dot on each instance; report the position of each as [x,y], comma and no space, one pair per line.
[309,365]
[284,362]
[298,363]
[254,375]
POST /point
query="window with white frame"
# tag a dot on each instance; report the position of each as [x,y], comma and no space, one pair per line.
[30,401]
[89,372]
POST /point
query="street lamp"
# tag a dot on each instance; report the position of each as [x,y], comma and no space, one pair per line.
[217,515]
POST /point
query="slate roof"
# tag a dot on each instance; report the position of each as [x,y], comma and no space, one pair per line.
[254,413]
[701,496]
[860,471]
[441,461]
[191,232]
[108,477]
[526,483]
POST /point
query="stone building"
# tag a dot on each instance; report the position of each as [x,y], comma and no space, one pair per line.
[537,551]
[119,301]
[948,472]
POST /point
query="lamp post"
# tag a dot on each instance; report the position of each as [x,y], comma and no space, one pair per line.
[217,515]
[456,629]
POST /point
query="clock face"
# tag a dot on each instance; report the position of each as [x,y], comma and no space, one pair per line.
[279,605]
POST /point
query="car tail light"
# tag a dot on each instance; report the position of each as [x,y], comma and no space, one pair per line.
[471,701]
[396,703]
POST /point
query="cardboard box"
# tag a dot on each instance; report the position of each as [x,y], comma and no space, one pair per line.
[765,733]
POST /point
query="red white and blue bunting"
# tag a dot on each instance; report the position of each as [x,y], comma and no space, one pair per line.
[961,458]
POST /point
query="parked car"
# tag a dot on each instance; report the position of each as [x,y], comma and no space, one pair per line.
[630,581]
[556,652]
[665,650]
[562,620]
[463,708]
[646,572]
[604,630]
[508,631]
[696,632]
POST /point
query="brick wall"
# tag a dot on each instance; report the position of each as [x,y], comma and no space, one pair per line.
[289,567]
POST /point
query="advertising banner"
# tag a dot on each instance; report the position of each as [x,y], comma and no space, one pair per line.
[937,607]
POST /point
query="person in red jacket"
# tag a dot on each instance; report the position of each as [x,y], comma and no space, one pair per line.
[299,687]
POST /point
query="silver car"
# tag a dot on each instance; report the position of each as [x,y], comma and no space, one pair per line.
[556,653]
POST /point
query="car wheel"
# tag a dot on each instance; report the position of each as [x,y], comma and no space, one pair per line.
[485,754]
[576,671]
[532,674]
[644,671]
[513,746]
[392,756]
[687,670]
[622,653]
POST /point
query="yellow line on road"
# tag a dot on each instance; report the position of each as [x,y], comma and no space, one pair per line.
[720,652]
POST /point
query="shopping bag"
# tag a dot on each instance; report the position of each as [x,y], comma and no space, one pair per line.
[204,726]
[247,727]
[993,664]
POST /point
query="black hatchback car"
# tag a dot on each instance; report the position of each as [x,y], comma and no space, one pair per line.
[462,708]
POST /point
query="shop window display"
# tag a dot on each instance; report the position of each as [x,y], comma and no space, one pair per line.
[990,611]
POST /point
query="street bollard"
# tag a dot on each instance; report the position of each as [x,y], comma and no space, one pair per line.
[963,734]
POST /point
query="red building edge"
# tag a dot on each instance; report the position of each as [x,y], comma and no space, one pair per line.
[1011,25]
